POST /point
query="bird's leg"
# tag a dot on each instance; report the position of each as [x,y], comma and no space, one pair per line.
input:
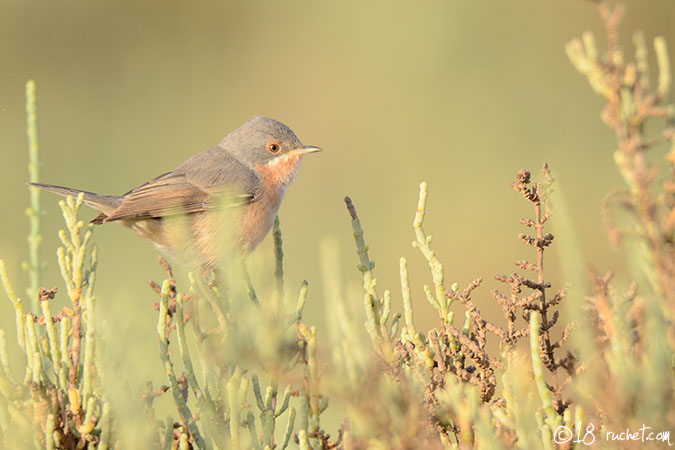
[204,286]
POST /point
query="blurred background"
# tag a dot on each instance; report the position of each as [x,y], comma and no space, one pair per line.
[459,94]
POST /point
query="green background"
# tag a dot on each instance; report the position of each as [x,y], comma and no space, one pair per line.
[456,93]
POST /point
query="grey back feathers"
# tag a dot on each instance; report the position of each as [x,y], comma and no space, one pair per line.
[190,188]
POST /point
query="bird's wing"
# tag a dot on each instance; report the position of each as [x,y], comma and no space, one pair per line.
[208,180]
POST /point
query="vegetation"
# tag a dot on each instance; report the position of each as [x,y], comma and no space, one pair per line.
[243,369]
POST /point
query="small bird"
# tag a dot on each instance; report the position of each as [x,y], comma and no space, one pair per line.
[249,170]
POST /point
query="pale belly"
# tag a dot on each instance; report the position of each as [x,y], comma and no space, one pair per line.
[203,239]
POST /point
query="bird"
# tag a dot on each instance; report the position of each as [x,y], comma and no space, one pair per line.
[181,211]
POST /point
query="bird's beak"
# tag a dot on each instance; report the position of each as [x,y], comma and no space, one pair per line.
[307,149]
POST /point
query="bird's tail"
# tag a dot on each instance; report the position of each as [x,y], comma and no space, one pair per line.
[103,203]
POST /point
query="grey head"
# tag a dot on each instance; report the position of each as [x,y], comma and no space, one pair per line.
[261,140]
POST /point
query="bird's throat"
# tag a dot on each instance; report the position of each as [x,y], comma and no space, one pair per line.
[280,171]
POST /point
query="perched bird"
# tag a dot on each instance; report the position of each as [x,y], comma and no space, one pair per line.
[249,170]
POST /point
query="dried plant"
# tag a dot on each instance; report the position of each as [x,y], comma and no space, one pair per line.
[448,354]
[631,105]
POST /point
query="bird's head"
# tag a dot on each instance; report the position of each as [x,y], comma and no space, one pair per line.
[265,142]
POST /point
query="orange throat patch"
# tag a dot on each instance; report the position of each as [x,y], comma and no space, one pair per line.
[281,170]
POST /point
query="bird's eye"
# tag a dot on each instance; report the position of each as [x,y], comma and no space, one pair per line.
[273,147]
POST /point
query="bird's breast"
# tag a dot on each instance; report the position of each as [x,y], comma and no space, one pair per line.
[258,217]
